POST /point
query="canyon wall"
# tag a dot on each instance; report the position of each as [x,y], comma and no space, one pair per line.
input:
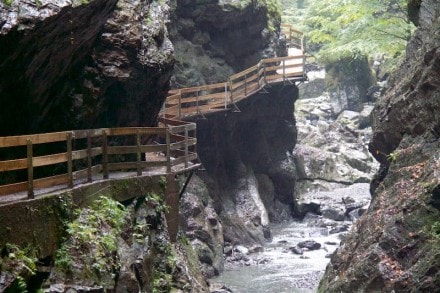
[394,247]
[72,64]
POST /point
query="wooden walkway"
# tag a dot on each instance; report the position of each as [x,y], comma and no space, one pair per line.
[200,100]
[84,156]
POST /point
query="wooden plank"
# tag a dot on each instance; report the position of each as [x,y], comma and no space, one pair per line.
[80,134]
[181,144]
[50,159]
[244,72]
[10,141]
[203,98]
[133,131]
[180,129]
[173,122]
[82,154]
[83,173]
[13,188]
[51,181]
[121,150]
[121,166]
[279,59]
[207,87]
[153,148]
[245,82]
[270,78]
[182,159]
[12,165]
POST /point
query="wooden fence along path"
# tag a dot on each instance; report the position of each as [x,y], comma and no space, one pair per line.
[81,156]
[205,99]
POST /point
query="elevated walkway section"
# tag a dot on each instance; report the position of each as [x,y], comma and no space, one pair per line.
[201,100]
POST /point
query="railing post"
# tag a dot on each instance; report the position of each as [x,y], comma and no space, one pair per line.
[245,85]
[180,104]
[264,73]
[226,95]
[186,147]
[69,160]
[30,167]
[89,157]
[284,70]
[104,155]
[168,142]
[258,73]
[138,153]
[231,97]
[197,102]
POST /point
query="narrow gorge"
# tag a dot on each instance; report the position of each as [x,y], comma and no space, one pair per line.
[337,170]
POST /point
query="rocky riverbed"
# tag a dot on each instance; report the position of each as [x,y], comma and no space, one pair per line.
[333,168]
[295,259]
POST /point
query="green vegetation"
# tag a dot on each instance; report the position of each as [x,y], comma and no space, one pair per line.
[341,27]
[273,13]
[273,10]
[435,230]
[392,157]
[8,2]
[92,240]
[21,263]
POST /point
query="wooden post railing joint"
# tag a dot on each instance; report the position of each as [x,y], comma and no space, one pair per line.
[186,148]
[104,155]
[180,104]
[89,157]
[168,152]
[226,95]
[138,153]
[245,84]
[69,138]
[30,169]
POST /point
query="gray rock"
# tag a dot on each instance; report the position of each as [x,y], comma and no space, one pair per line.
[241,249]
[336,213]
[296,250]
[309,244]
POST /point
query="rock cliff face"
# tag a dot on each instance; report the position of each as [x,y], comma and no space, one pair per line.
[214,39]
[245,156]
[394,247]
[76,64]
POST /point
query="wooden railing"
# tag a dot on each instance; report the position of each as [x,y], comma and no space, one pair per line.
[220,96]
[204,99]
[294,38]
[80,155]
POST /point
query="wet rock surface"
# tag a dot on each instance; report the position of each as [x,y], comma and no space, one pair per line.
[332,149]
[243,153]
[297,256]
[394,245]
[68,65]
[215,39]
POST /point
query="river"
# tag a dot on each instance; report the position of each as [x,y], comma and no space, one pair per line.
[282,271]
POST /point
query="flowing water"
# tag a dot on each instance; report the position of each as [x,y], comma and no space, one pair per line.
[278,270]
[284,272]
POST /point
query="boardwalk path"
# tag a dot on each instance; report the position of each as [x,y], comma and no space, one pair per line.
[86,156]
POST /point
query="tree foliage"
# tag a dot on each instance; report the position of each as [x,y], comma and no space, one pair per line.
[336,27]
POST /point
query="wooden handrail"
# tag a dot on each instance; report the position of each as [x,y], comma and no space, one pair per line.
[202,99]
[178,142]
